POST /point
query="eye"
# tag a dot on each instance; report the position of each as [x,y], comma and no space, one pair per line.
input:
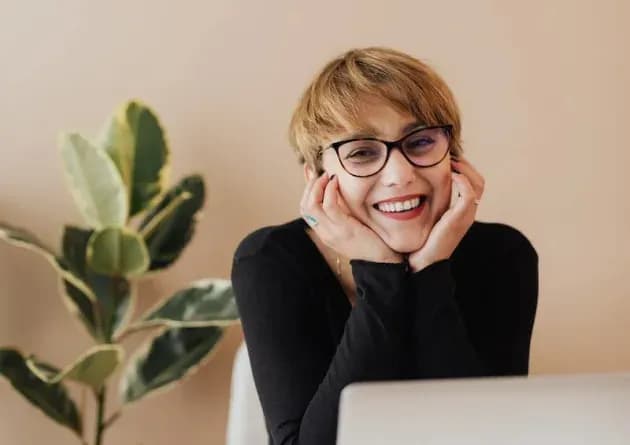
[363,153]
[419,142]
[360,151]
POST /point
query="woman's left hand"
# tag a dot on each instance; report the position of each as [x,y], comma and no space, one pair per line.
[455,222]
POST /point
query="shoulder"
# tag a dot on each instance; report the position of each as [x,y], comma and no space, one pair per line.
[269,269]
[499,262]
[498,241]
[271,240]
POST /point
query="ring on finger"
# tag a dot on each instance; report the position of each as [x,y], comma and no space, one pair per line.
[311,220]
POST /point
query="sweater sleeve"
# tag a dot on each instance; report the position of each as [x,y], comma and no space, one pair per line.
[442,344]
[297,382]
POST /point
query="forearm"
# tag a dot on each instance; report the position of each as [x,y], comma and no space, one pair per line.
[441,345]
[299,384]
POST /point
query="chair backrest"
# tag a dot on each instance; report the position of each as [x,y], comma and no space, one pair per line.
[246,422]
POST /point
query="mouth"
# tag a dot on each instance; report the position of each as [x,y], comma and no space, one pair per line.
[401,205]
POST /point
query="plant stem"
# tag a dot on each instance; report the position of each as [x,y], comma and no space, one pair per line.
[100,414]
[82,410]
[111,419]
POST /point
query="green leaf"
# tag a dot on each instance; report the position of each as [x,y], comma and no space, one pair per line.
[79,305]
[53,400]
[45,371]
[92,368]
[95,183]
[117,140]
[135,141]
[114,294]
[25,239]
[170,225]
[207,302]
[150,168]
[79,297]
[117,252]
[171,356]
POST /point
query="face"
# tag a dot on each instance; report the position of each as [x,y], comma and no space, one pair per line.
[370,198]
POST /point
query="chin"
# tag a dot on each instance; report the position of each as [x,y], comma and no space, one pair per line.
[406,244]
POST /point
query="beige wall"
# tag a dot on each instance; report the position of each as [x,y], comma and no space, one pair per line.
[544,91]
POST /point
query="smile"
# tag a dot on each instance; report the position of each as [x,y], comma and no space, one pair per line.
[400,206]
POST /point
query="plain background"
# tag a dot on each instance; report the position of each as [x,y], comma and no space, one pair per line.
[544,89]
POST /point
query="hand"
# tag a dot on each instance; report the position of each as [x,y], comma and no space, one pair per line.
[455,222]
[325,210]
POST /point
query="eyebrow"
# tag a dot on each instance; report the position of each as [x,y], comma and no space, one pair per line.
[371,132]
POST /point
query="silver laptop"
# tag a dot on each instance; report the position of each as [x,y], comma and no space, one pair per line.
[554,409]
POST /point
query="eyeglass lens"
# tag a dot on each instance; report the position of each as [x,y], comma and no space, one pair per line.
[422,148]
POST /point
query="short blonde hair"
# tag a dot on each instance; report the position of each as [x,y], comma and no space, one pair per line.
[335,95]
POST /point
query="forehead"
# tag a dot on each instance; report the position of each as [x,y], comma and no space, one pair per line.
[377,119]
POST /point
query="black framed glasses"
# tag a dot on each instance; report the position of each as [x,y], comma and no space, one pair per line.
[423,147]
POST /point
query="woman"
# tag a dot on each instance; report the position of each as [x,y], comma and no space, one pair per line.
[385,276]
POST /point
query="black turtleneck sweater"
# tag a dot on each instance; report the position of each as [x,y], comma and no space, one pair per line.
[468,316]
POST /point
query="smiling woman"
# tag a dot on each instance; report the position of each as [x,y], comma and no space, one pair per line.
[385,276]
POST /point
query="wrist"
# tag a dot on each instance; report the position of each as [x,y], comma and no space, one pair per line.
[392,258]
[416,264]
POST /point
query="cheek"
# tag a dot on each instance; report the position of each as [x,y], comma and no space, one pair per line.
[331,165]
[354,193]
[446,184]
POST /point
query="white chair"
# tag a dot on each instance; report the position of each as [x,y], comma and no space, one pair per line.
[246,422]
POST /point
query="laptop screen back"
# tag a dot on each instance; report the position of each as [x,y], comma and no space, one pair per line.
[558,410]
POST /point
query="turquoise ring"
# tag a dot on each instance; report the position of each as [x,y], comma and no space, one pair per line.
[310,220]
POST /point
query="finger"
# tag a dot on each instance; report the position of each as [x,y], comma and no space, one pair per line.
[341,202]
[330,203]
[316,195]
[466,192]
[466,164]
[317,219]
[312,211]
[307,192]
[475,178]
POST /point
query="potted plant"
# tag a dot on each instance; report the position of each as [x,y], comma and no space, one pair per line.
[134,225]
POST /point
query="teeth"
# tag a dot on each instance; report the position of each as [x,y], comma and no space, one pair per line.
[400,206]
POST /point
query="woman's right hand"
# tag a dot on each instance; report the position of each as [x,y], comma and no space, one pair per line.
[325,210]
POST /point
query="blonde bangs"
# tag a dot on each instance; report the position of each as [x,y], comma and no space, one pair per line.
[332,103]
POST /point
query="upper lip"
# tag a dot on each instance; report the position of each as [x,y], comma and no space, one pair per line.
[400,198]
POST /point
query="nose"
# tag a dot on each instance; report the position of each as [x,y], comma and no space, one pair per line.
[398,170]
